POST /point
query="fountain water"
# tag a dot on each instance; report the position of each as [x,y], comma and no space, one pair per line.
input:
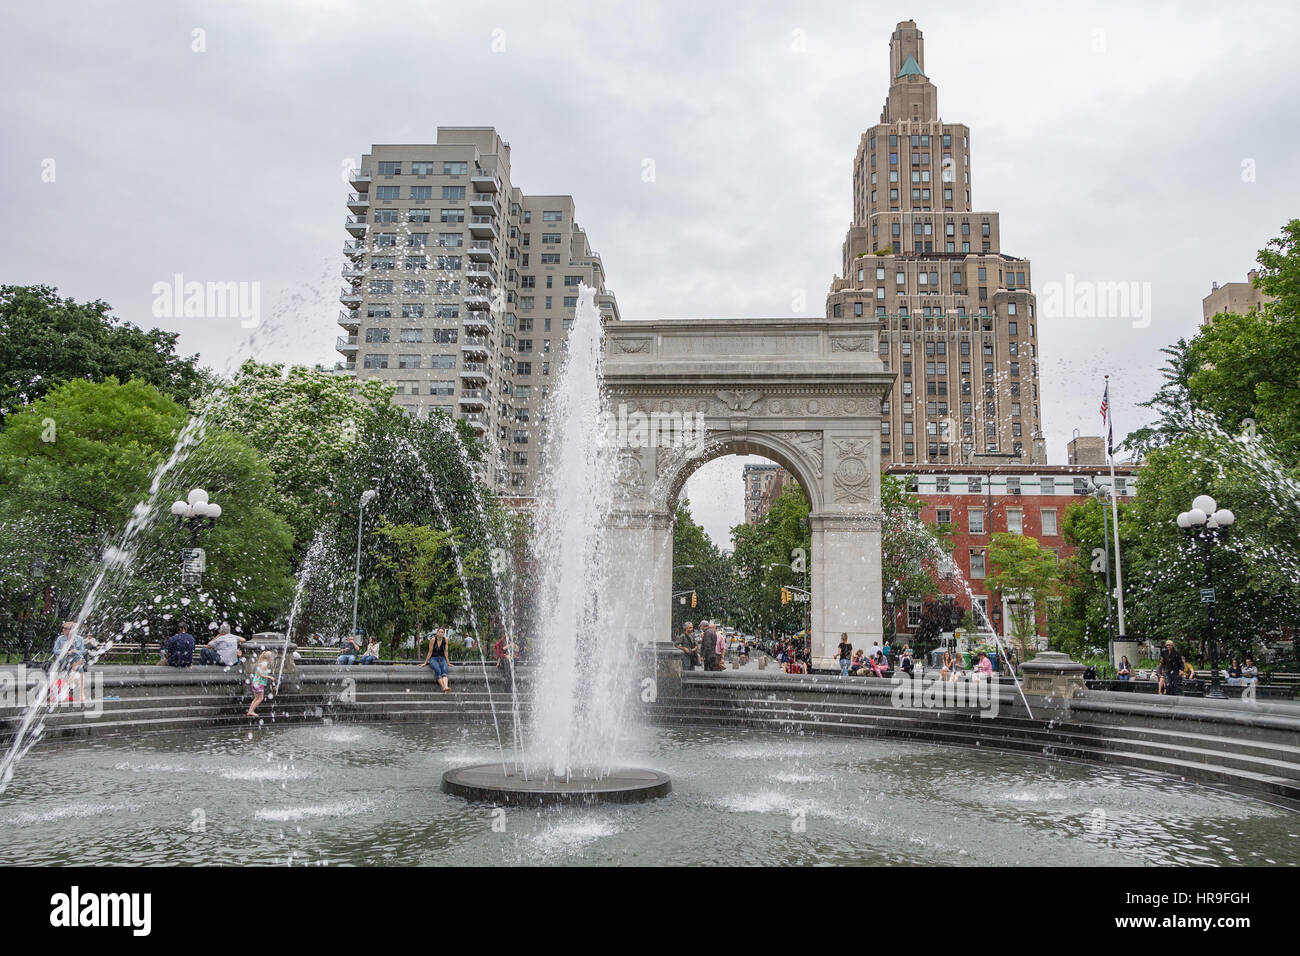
[581,694]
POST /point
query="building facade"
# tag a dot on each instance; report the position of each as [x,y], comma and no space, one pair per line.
[958,317]
[763,483]
[459,289]
[977,503]
[1235,297]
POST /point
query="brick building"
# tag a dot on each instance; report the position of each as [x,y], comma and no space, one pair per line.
[980,502]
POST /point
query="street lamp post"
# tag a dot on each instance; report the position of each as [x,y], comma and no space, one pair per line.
[1208,524]
[196,513]
[367,496]
[889,603]
[38,579]
[1100,494]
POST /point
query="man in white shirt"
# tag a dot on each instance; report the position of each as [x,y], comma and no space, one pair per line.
[222,649]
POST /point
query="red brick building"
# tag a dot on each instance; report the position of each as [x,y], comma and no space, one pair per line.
[979,502]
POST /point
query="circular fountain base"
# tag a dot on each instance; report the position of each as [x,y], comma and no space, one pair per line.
[505,785]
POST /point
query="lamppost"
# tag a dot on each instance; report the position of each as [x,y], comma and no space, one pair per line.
[1099,493]
[367,496]
[195,514]
[38,579]
[890,597]
[1208,524]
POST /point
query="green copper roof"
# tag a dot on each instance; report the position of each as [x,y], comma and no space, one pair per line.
[910,68]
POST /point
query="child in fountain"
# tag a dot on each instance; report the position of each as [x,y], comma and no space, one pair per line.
[261,678]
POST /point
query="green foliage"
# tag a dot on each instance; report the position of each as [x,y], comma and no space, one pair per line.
[307,424]
[72,469]
[910,549]
[770,555]
[421,563]
[46,341]
[710,573]
[1029,574]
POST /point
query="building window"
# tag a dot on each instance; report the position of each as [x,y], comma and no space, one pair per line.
[1049,522]
[1015,521]
[976,564]
[408,361]
[375,361]
[913,614]
[943,516]
[455,169]
[975,520]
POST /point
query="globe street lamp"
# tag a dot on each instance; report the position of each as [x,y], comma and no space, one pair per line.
[195,514]
[366,497]
[1208,524]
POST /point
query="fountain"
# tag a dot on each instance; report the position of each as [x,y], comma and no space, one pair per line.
[584,683]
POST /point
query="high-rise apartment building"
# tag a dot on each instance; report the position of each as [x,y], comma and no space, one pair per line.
[957,316]
[460,289]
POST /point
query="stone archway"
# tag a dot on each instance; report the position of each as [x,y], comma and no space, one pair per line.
[804,393]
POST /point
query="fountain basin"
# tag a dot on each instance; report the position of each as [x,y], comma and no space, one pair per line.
[493,783]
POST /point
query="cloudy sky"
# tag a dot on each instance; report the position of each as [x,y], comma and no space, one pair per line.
[1152,143]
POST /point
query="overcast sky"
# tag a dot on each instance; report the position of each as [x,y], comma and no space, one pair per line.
[1151,143]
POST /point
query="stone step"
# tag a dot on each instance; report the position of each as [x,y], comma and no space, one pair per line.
[1257,779]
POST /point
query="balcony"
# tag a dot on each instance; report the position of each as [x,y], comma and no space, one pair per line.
[484,203]
[354,248]
[480,269]
[485,181]
[344,368]
[474,370]
[356,225]
[478,320]
[353,271]
[482,250]
[359,179]
[350,297]
[475,344]
[350,319]
[476,420]
[478,300]
[473,396]
[358,202]
[347,344]
[482,226]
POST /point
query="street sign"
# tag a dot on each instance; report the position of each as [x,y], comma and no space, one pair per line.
[193,560]
[1207,596]
[190,580]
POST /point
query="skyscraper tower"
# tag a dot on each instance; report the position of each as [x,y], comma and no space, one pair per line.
[957,316]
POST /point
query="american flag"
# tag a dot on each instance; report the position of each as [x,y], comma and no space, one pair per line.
[1105,418]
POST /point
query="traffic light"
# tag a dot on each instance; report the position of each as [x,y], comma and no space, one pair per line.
[692,599]
[785,596]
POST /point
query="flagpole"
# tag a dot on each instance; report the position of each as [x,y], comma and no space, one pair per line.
[1114,511]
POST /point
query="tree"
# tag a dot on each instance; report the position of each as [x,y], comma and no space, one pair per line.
[1025,574]
[46,341]
[307,424]
[709,575]
[771,555]
[422,562]
[911,551]
[75,466]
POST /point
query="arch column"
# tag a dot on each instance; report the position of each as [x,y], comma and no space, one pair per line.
[846,583]
[639,578]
